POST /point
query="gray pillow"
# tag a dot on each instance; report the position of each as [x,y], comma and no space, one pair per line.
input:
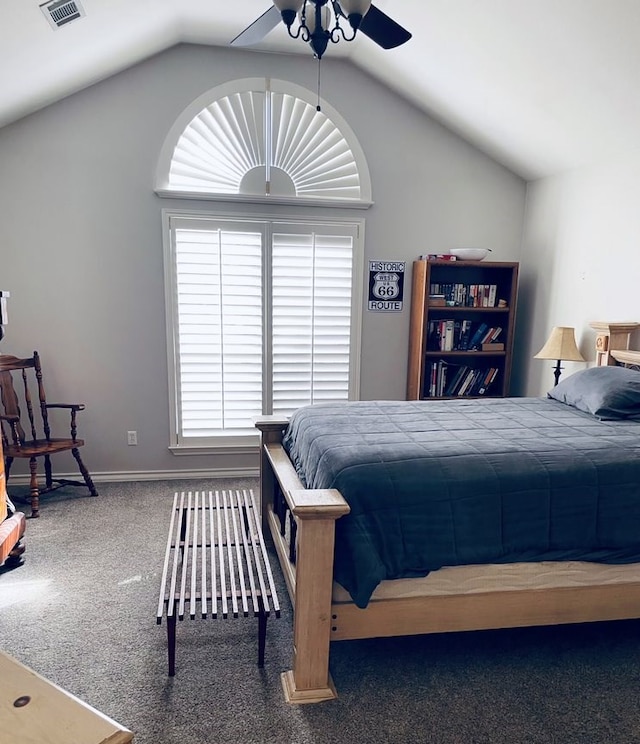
[606,392]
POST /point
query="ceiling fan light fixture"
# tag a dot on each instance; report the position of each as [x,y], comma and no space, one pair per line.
[288,10]
[314,24]
[295,5]
[319,22]
[355,6]
[355,10]
[325,19]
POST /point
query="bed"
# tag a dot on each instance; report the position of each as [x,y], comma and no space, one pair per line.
[575,560]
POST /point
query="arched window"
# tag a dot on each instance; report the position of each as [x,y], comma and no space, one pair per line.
[260,139]
[263,312]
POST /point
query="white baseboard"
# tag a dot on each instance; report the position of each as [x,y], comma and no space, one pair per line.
[146,475]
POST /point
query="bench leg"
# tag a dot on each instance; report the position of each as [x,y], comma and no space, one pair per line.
[262,632]
[171,643]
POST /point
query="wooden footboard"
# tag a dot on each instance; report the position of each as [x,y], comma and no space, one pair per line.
[302,525]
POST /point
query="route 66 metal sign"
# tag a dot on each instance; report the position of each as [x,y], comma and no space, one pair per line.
[386,285]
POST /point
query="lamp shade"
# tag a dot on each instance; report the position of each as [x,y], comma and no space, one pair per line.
[360,7]
[561,344]
[325,18]
[294,5]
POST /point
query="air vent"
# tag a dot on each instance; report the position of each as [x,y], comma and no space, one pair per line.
[61,12]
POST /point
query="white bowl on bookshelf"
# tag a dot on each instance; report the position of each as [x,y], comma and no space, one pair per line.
[470,254]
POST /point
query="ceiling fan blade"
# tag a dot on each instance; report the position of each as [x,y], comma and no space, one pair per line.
[259,28]
[382,29]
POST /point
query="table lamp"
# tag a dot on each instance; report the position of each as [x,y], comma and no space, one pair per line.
[561,346]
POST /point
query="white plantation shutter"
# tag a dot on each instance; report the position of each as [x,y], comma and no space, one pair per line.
[218,275]
[264,138]
[312,292]
[261,129]
[222,143]
[262,321]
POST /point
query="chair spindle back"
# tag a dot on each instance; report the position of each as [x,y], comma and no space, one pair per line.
[11,400]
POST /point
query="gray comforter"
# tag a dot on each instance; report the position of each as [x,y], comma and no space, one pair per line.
[434,484]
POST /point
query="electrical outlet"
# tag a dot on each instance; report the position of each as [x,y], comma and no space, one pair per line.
[132,437]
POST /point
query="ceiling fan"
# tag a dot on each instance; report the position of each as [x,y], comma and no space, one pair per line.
[315,18]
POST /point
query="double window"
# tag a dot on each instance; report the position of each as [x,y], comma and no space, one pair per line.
[263,317]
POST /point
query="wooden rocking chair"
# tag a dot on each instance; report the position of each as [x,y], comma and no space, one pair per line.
[13,395]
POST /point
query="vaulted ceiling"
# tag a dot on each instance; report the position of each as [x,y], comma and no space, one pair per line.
[541,85]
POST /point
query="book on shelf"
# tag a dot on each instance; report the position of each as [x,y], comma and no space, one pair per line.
[465,335]
[492,346]
[432,380]
[452,380]
[492,295]
[487,336]
[458,381]
[449,327]
[476,340]
[489,378]
[465,295]
[489,342]
[486,288]
[455,379]
[438,257]
[478,378]
[438,374]
[454,334]
[443,369]
[467,382]
[434,336]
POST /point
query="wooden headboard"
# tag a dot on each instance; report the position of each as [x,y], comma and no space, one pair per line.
[612,344]
[627,358]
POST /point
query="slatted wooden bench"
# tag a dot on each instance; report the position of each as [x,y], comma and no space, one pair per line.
[216,564]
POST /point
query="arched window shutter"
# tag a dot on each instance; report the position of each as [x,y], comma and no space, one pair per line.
[264,141]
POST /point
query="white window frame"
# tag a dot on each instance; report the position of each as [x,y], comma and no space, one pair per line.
[246,442]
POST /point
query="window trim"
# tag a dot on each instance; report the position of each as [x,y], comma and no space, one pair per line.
[243,443]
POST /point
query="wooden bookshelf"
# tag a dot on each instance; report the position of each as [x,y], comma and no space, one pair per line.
[448,338]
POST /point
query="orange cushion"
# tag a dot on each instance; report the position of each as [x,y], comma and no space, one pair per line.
[11,530]
[3,499]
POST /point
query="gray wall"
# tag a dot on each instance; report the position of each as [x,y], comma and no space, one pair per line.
[81,242]
[581,259]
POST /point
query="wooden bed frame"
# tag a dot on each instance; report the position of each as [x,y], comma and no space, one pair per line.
[302,524]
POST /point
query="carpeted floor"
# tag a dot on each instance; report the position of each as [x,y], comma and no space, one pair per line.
[81,611]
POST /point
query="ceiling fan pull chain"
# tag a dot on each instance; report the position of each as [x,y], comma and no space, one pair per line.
[318,104]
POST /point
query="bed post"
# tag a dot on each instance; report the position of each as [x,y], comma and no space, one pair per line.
[308,569]
[316,512]
[271,431]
